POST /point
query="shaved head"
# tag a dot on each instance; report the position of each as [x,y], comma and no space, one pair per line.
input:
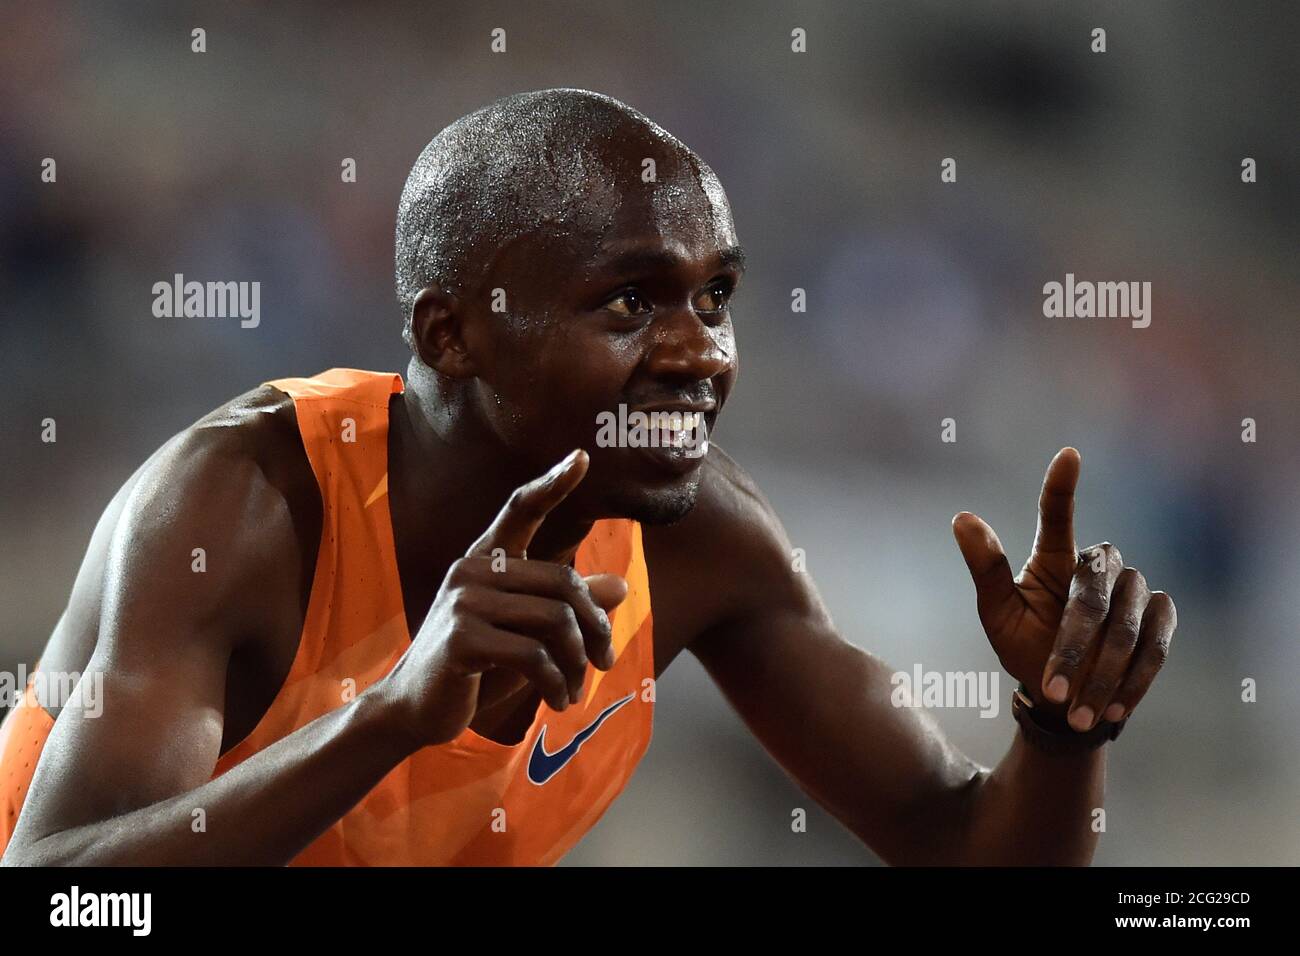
[551,163]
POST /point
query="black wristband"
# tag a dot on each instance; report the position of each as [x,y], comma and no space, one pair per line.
[1053,737]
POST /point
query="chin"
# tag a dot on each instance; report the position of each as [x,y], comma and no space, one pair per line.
[657,506]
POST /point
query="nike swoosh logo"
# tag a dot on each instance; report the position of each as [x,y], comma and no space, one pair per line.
[543,766]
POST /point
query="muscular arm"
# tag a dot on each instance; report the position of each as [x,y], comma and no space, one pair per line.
[821,706]
[122,787]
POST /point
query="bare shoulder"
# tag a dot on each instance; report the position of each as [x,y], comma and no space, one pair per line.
[234,467]
[728,559]
[221,495]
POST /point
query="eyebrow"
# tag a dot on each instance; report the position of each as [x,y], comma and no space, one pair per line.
[733,255]
[646,260]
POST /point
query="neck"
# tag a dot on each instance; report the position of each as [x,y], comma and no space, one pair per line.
[447,480]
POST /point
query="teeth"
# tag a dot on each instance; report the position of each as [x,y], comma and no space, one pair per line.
[679,428]
[680,431]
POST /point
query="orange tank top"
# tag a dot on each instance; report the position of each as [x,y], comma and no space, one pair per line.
[471,801]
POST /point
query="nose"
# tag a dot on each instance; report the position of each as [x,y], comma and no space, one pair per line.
[690,350]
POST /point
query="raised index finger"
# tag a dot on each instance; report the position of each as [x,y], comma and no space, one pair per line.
[528,506]
[1055,534]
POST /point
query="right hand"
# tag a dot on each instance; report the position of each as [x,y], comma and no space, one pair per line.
[489,631]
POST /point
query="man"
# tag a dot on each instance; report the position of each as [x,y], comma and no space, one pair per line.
[340,621]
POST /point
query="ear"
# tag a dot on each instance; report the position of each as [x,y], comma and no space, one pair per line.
[437,333]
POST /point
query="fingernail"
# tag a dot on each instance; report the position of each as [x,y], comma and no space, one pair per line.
[1081,718]
[609,657]
[1057,688]
[1114,712]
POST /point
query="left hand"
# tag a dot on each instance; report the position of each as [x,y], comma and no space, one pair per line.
[1082,632]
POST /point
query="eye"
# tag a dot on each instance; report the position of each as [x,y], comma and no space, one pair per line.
[715,297]
[628,303]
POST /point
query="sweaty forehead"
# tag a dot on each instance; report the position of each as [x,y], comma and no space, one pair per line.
[683,210]
[685,206]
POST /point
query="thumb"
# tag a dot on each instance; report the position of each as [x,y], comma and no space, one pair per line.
[987,562]
[607,590]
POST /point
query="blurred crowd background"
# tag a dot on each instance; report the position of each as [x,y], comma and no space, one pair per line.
[924,302]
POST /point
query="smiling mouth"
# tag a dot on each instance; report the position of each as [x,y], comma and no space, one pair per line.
[676,441]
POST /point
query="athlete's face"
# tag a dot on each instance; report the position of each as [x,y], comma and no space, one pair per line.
[634,312]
